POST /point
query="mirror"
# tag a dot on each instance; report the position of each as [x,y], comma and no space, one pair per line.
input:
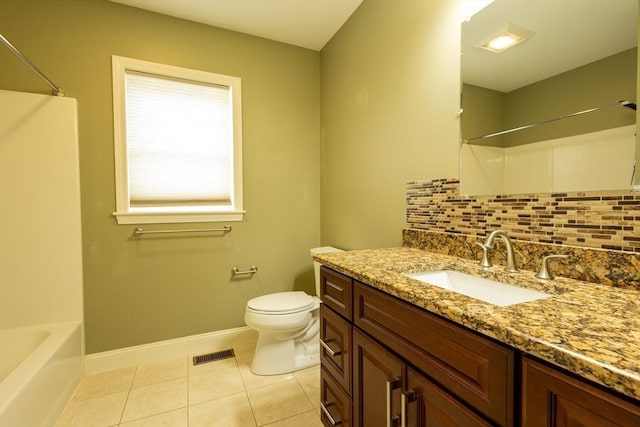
[560,88]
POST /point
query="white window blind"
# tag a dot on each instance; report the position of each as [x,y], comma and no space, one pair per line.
[179,142]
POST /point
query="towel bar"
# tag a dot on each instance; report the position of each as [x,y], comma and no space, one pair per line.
[138,232]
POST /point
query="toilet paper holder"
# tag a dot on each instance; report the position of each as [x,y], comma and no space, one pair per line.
[235,271]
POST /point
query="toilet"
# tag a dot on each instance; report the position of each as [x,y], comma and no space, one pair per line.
[288,327]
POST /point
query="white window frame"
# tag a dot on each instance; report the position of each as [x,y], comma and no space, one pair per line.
[124,213]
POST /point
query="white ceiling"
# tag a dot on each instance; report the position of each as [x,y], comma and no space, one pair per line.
[568,34]
[304,23]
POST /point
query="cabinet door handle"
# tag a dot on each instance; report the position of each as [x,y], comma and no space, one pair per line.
[406,398]
[332,421]
[331,351]
[392,384]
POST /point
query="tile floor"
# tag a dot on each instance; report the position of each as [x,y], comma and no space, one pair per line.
[174,393]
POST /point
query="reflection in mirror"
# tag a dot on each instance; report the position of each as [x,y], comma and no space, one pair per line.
[563,66]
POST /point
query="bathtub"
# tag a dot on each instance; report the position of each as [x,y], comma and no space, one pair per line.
[40,367]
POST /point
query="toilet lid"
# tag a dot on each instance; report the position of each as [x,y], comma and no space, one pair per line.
[282,302]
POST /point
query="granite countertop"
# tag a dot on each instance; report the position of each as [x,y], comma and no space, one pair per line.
[589,329]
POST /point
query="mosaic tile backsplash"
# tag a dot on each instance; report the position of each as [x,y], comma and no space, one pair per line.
[599,231]
[606,220]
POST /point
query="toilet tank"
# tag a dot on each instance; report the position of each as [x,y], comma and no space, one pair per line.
[316,264]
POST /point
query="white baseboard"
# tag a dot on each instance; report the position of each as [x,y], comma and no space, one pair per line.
[129,356]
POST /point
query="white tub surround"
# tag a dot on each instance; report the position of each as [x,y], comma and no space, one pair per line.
[41,308]
[41,367]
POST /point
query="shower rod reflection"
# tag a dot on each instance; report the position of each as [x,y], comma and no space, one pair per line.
[138,232]
[55,90]
[628,104]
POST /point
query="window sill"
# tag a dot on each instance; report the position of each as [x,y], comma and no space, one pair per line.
[168,218]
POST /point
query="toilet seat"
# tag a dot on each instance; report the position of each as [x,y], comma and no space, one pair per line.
[281,303]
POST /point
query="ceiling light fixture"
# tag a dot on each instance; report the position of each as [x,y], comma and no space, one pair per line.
[507,38]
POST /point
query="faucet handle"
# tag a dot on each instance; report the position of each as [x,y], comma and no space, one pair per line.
[544,273]
[484,263]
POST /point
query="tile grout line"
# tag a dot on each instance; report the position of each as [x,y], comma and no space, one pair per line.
[305,392]
[128,394]
[246,393]
[188,401]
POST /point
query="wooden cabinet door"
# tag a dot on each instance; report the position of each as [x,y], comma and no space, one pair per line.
[376,384]
[551,398]
[475,369]
[426,405]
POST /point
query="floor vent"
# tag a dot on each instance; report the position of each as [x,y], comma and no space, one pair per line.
[212,357]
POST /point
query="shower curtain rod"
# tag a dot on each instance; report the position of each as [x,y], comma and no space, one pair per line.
[55,90]
[628,104]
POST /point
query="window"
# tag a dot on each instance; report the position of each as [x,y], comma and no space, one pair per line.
[178,144]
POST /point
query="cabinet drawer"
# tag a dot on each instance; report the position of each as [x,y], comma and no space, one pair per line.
[549,397]
[335,403]
[336,291]
[335,333]
[475,369]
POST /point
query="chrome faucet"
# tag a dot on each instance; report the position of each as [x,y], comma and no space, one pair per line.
[488,244]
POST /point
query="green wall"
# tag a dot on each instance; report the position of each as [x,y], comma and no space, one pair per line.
[140,291]
[386,90]
[389,101]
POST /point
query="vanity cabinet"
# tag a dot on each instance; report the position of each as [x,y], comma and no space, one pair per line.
[389,363]
[552,398]
[385,361]
[335,348]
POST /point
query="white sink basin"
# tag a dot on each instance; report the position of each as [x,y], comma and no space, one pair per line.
[496,293]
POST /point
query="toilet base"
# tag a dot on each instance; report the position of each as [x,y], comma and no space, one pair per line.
[274,357]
